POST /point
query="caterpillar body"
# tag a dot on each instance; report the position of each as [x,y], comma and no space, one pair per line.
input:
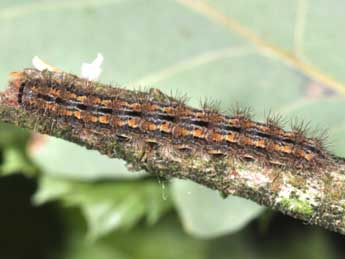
[157,119]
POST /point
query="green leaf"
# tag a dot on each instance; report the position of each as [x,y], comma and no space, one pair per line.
[106,205]
[13,143]
[16,161]
[13,136]
[79,163]
[308,29]
[166,239]
[206,214]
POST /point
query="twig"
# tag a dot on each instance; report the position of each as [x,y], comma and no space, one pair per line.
[316,198]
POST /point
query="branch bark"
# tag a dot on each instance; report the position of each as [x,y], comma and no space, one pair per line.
[316,198]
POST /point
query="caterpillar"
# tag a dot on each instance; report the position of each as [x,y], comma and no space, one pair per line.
[158,120]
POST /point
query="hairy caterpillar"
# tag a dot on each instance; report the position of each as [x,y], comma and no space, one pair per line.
[157,119]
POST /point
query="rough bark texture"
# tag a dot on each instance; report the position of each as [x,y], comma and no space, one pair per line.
[316,198]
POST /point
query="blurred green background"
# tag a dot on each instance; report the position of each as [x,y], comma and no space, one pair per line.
[59,200]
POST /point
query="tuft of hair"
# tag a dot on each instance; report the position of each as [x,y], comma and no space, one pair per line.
[240,111]
[319,137]
[146,94]
[300,127]
[141,92]
[322,138]
[180,98]
[303,131]
[158,94]
[140,89]
[65,81]
[210,106]
[275,120]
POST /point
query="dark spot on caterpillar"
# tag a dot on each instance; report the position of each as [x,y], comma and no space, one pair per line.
[103,110]
[122,138]
[81,106]
[46,98]
[20,92]
[133,113]
[200,123]
[152,143]
[166,117]
[248,158]
[232,128]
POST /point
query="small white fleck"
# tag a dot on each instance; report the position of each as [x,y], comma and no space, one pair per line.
[41,65]
[92,71]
